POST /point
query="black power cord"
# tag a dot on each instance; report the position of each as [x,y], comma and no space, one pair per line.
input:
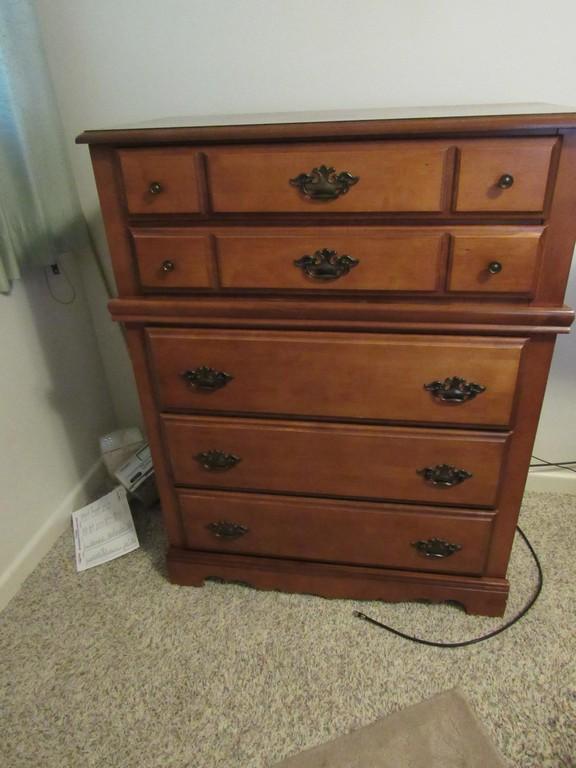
[488,635]
[514,619]
[559,464]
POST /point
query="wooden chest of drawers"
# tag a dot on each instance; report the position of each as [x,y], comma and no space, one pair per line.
[341,332]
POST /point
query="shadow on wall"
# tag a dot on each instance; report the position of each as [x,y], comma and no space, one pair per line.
[555,437]
[117,364]
[74,384]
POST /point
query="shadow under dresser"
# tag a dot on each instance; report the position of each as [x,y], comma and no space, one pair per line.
[341,330]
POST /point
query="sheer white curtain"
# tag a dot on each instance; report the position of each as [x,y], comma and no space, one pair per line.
[39,210]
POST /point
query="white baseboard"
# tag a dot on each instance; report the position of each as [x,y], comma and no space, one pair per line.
[14,575]
[552,481]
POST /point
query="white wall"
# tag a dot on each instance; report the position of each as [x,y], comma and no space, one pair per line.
[55,405]
[118,61]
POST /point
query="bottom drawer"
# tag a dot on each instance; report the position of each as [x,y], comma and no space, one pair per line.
[360,533]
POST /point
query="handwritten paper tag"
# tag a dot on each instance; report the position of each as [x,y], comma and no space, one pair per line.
[104,530]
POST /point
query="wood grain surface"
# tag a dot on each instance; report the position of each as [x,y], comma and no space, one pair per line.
[325,404]
[336,375]
[333,531]
[336,459]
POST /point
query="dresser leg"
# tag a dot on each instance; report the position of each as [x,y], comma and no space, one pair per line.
[484,603]
[184,573]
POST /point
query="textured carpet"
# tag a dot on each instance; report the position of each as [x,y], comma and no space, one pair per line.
[117,667]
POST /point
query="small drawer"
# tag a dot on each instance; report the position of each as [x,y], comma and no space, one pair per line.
[172,259]
[329,178]
[161,180]
[495,264]
[426,379]
[332,260]
[429,466]
[418,538]
[504,175]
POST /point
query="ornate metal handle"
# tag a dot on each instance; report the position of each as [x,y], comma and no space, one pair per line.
[494,267]
[444,475]
[155,188]
[326,265]
[217,461]
[168,266]
[505,181]
[207,379]
[436,548]
[226,530]
[323,183]
[454,390]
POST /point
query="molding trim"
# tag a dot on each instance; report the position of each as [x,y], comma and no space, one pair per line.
[15,573]
[551,481]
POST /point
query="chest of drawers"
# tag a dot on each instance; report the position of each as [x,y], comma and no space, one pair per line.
[341,332]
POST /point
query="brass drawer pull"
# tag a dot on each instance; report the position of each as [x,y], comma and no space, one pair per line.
[444,475]
[494,267]
[226,530]
[155,188]
[505,181]
[436,548]
[168,266]
[326,265]
[454,390]
[206,379]
[323,183]
[217,461]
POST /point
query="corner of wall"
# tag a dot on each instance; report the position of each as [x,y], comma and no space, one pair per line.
[16,572]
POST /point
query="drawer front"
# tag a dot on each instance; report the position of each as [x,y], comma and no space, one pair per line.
[336,460]
[504,174]
[160,180]
[419,538]
[173,261]
[487,264]
[338,375]
[387,176]
[328,261]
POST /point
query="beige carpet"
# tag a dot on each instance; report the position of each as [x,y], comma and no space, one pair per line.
[117,668]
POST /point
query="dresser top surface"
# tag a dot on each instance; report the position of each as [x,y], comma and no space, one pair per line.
[386,121]
[350,115]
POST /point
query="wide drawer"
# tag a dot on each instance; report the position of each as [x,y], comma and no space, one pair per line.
[488,260]
[333,260]
[426,379]
[492,175]
[439,466]
[388,176]
[361,533]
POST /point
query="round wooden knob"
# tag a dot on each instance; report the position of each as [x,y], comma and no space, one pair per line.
[505,181]
[494,267]
[155,188]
